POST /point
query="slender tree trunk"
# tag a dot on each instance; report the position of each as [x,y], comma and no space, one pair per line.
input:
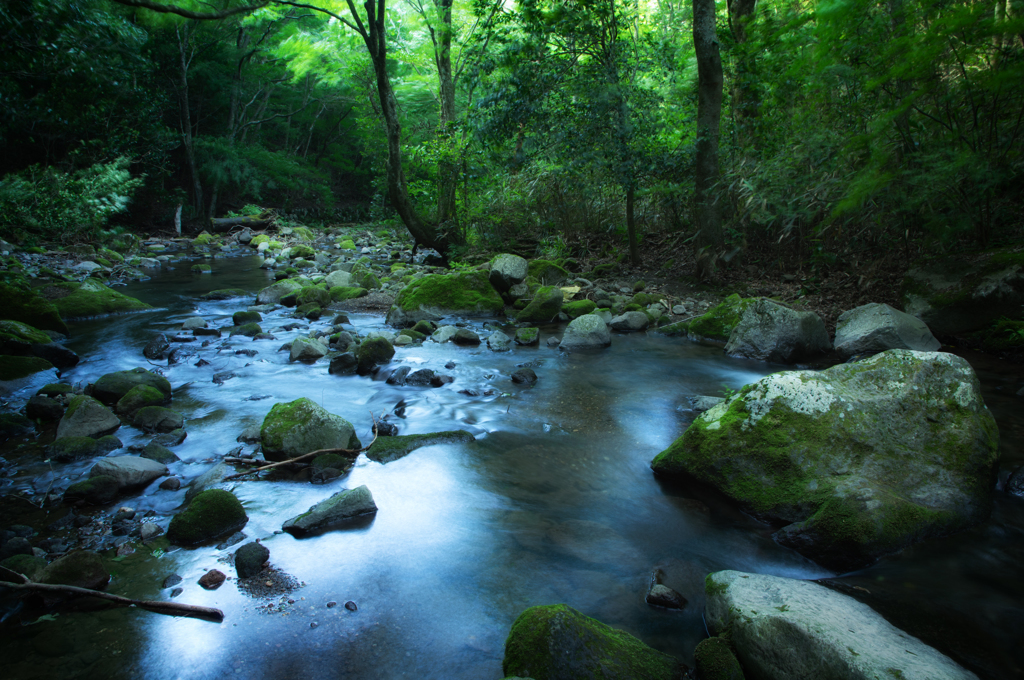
[634,249]
[745,100]
[448,169]
[186,120]
[709,113]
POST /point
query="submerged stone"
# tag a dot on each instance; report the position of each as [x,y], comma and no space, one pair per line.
[387,449]
[334,511]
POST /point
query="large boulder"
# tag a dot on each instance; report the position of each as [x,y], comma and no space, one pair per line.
[770,331]
[338,278]
[788,629]
[273,293]
[19,368]
[958,295]
[630,322]
[436,295]
[128,471]
[545,306]
[211,514]
[556,642]
[31,308]
[89,299]
[138,397]
[547,272]
[87,417]
[301,426]
[336,510]
[586,332]
[112,386]
[17,338]
[306,349]
[157,419]
[506,271]
[856,461]
[717,323]
[81,568]
[373,352]
[875,327]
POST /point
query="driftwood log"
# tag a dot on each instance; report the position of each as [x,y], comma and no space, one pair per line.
[168,608]
[223,224]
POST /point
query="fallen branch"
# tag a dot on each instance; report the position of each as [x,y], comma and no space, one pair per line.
[168,608]
[351,452]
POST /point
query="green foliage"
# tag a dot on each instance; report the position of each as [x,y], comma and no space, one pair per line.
[44,202]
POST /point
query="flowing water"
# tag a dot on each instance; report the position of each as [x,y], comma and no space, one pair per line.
[553,502]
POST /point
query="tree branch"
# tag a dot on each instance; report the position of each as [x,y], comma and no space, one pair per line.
[188,14]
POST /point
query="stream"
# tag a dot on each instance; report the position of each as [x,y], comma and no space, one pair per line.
[553,502]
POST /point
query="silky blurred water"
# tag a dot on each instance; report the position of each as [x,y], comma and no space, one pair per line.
[553,502]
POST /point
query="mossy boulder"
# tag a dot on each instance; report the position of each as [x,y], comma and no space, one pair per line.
[578,308]
[67,449]
[770,331]
[675,329]
[372,353]
[545,306]
[273,293]
[204,239]
[98,490]
[363,276]
[87,417]
[138,397]
[718,322]
[965,293]
[547,273]
[201,269]
[506,271]
[242,318]
[111,387]
[211,514]
[301,426]
[17,338]
[249,330]
[347,244]
[856,461]
[16,368]
[436,295]
[342,293]
[89,299]
[425,327]
[82,568]
[313,294]
[714,660]
[387,449]
[31,308]
[223,294]
[157,419]
[29,566]
[556,642]
[527,336]
[301,250]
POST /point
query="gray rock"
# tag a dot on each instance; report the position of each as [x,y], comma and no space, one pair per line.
[660,595]
[307,349]
[520,290]
[249,559]
[787,629]
[294,428]
[464,336]
[524,376]
[586,332]
[112,386]
[192,323]
[444,334]
[507,271]
[338,278]
[129,471]
[274,293]
[344,364]
[208,480]
[498,342]
[701,403]
[159,453]
[149,530]
[874,327]
[1015,483]
[87,417]
[769,331]
[630,322]
[337,509]
[858,461]
[157,348]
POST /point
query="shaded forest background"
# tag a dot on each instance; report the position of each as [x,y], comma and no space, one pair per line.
[850,130]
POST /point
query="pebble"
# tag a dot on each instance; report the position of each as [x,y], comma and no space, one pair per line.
[351,606]
[171,580]
[212,579]
[176,592]
[332,604]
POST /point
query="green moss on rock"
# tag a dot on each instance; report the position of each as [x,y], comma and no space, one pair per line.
[16,368]
[579,308]
[111,387]
[387,449]
[211,514]
[90,299]
[466,292]
[546,272]
[372,353]
[545,306]
[313,294]
[556,642]
[17,337]
[342,293]
[29,307]
[29,566]
[300,426]
[717,323]
[242,318]
[98,490]
[249,330]
[715,660]
[139,397]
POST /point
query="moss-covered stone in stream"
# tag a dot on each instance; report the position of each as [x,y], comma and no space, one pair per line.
[342,293]
[715,660]
[223,294]
[301,426]
[98,490]
[17,337]
[527,336]
[555,641]
[717,323]
[249,330]
[242,318]
[578,308]
[211,514]
[363,276]
[16,368]
[26,565]
[202,269]
[415,335]
[139,397]
[90,299]
[387,449]
[676,329]
[372,353]
[27,306]
[545,306]
[347,244]
[858,461]
[302,251]
[440,294]
[81,568]
[425,327]
[67,449]
[113,386]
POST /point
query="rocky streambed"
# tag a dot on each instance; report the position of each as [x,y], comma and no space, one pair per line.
[511,470]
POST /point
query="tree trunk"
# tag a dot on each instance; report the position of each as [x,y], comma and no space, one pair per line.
[186,121]
[745,101]
[398,191]
[448,171]
[709,113]
[634,249]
